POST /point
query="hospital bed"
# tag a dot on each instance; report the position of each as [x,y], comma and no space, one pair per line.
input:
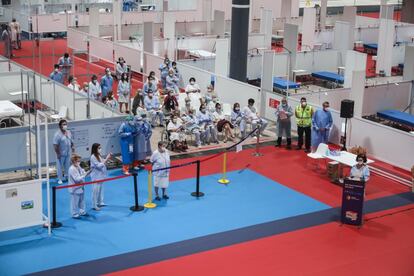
[283,84]
[200,54]
[371,48]
[9,110]
[329,77]
[398,117]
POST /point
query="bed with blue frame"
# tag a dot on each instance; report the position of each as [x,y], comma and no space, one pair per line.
[397,116]
[371,48]
[283,84]
[329,76]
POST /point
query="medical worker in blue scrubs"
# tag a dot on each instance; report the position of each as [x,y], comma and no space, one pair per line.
[126,133]
[63,146]
[321,125]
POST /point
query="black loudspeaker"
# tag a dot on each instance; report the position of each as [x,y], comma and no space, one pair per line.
[6,2]
[347,109]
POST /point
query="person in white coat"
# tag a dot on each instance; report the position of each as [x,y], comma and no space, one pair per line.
[95,90]
[161,159]
[121,67]
[77,176]
[98,172]
[123,92]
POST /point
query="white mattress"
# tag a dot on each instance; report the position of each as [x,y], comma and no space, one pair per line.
[9,109]
[201,53]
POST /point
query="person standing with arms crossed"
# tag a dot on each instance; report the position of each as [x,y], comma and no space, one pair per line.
[303,114]
[161,159]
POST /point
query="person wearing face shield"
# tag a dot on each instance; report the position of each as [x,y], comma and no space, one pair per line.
[126,132]
[360,170]
[283,114]
[95,90]
[164,70]
[106,82]
[321,125]
[303,114]
[63,146]
[142,141]
[77,176]
[205,122]
[98,172]
[161,159]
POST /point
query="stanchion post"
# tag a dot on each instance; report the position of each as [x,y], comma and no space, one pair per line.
[54,224]
[136,207]
[257,153]
[197,193]
[150,204]
[223,179]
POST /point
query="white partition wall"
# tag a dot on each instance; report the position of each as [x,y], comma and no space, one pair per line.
[357,91]
[132,56]
[101,48]
[280,63]
[308,28]
[409,63]
[222,57]
[219,23]
[342,38]
[349,15]
[290,42]
[77,40]
[94,21]
[385,46]
[266,26]
[355,61]
[148,37]
[324,7]
[294,8]
[286,9]
[152,63]
[169,33]
[117,14]
[267,79]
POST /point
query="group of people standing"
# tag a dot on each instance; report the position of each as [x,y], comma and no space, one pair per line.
[11,36]
[313,126]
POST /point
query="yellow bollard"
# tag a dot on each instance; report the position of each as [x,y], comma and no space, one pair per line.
[223,179]
[150,204]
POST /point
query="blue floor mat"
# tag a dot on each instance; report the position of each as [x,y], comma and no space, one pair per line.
[249,199]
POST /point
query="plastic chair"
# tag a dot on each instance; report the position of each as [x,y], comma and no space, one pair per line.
[63,112]
[319,154]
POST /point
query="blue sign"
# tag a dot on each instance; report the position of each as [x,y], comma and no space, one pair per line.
[352,201]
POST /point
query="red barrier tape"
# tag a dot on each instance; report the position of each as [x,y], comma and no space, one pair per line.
[92,182]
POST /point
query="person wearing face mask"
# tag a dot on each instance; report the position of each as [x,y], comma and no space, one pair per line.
[250,116]
[65,64]
[142,141]
[123,92]
[177,134]
[77,175]
[154,77]
[152,105]
[73,84]
[192,86]
[236,117]
[149,85]
[106,82]
[98,172]
[161,159]
[303,114]
[164,70]
[210,94]
[283,114]
[95,91]
[222,123]
[111,102]
[191,126]
[121,67]
[63,146]
[170,103]
[205,122]
[56,75]
[187,107]
[321,125]
[360,170]
[172,82]
[126,132]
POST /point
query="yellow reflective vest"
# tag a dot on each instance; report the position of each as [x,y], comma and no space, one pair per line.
[303,116]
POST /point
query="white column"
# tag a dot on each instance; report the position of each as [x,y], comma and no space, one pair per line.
[267,79]
[357,92]
[266,25]
[169,33]
[349,15]
[219,23]
[324,7]
[308,28]
[286,9]
[342,39]
[355,61]
[294,8]
[207,10]
[290,42]
[117,14]
[222,57]
[385,46]
[94,21]
[409,63]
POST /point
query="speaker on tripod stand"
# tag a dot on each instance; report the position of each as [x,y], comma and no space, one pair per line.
[347,112]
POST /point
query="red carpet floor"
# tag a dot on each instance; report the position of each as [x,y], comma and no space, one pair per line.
[41,59]
[383,246]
